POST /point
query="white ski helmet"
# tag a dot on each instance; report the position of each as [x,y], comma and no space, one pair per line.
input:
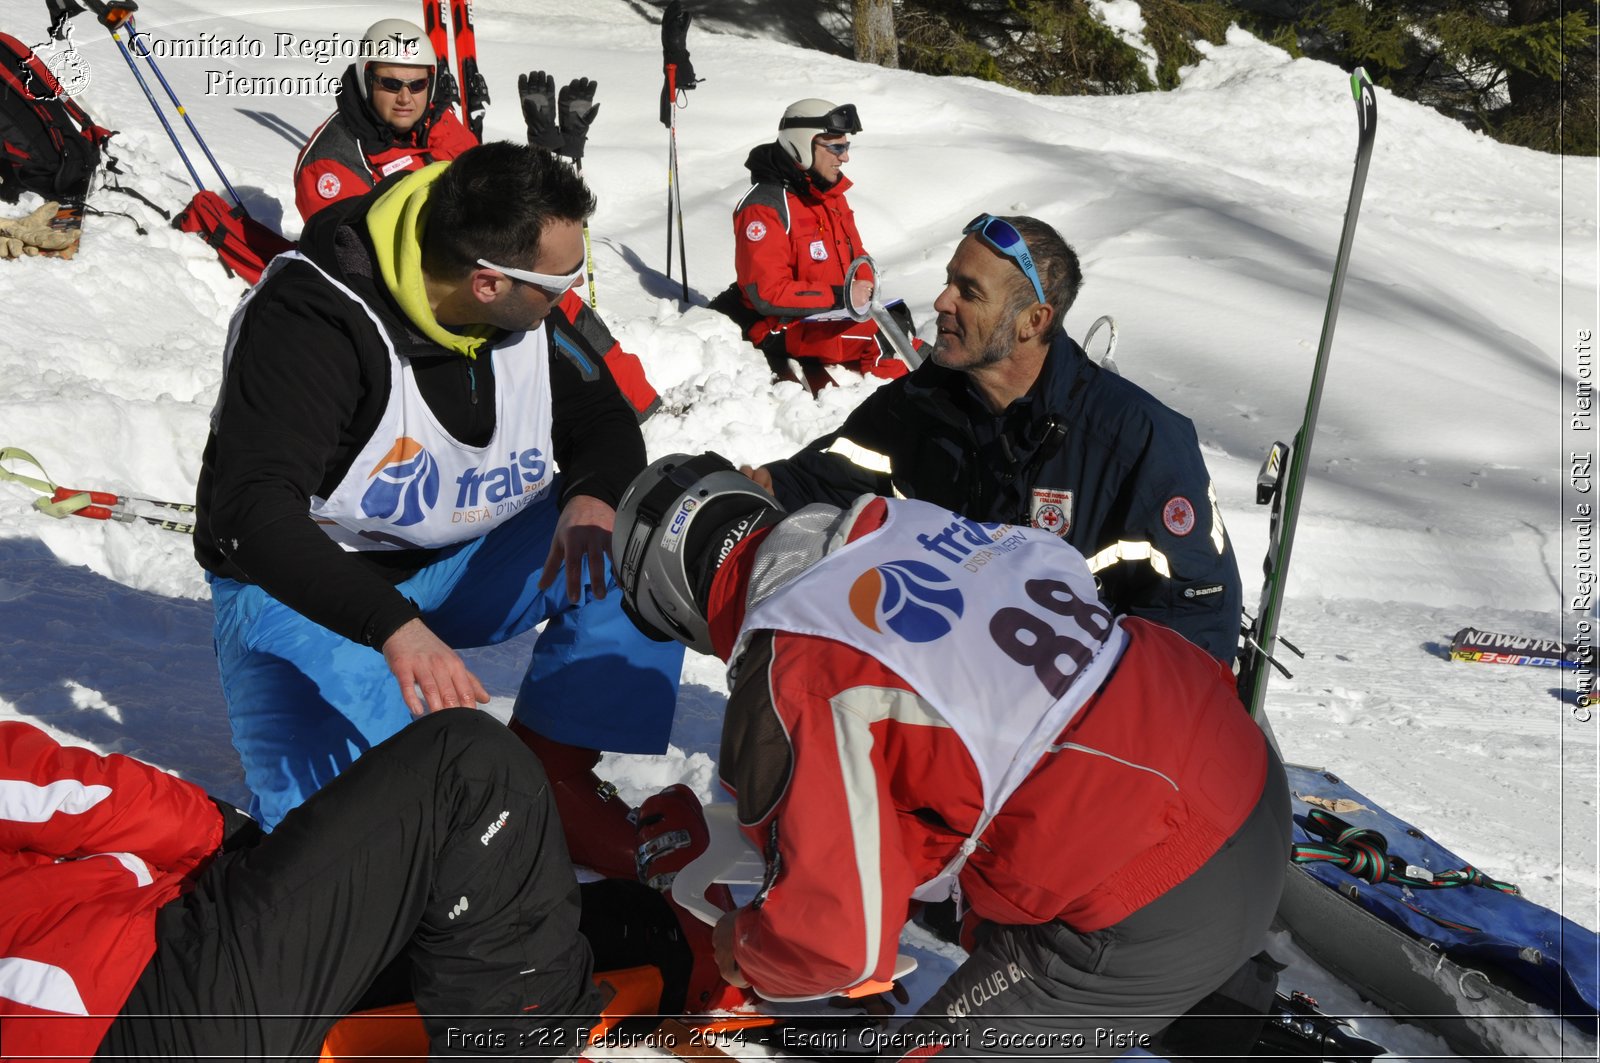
[398,42]
[805,119]
[666,526]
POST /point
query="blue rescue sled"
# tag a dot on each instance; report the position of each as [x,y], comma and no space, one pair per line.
[1492,972]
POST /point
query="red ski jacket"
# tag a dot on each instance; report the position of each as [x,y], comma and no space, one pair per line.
[352,151]
[1157,770]
[791,250]
[90,848]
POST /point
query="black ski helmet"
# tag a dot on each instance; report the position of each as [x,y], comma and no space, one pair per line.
[675,524]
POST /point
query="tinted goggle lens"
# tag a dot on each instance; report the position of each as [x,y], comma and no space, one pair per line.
[842,120]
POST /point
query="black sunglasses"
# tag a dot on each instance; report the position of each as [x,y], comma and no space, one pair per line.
[396,84]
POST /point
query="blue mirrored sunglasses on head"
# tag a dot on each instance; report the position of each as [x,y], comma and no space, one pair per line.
[1004,238]
[838,147]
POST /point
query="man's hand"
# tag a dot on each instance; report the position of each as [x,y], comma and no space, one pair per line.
[761,476]
[861,293]
[537,91]
[584,530]
[577,109]
[722,945]
[419,659]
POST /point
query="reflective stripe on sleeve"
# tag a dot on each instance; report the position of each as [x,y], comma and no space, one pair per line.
[1126,551]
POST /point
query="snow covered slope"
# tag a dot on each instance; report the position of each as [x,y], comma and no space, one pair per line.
[1207,220]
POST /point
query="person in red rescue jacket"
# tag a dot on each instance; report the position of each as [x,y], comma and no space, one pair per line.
[794,238]
[924,706]
[143,919]
[390,118]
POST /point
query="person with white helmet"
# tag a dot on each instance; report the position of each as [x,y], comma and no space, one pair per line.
[923,706]
[794,238]
[390,118]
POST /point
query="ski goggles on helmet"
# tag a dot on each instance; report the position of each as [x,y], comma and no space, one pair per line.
[839,121]
[551,284]
[1004,238]
[417,86]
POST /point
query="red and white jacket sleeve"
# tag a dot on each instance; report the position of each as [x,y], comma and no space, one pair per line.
[90,848]
[839,881]
[765,265]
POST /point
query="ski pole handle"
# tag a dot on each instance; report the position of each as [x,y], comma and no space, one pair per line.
[96,505]
[99,498]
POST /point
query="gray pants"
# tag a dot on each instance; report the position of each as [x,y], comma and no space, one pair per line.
[1047,990]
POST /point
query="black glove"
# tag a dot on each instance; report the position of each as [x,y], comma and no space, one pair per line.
[538,92]
[674,44]
[578,109]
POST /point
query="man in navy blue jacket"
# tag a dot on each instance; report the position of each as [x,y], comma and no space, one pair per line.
[1009,420]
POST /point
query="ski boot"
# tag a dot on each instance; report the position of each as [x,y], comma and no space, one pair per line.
[672,832]
[597,823]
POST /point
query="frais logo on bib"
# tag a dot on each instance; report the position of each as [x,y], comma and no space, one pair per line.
[906,596]
[523,472]
[405,484]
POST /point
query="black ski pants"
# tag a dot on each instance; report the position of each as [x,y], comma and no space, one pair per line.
[441,846]
[1048,990]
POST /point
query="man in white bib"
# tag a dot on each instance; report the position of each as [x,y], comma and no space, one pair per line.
[924,707]
[415,450]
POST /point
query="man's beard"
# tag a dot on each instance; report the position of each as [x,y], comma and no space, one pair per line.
[995,348]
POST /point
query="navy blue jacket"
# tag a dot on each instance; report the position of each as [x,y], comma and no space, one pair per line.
[1085,453]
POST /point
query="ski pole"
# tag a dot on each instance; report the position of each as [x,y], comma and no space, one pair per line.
[672,160]
[588,253]
[677,181]
[125,15]
[122,47]
[62,502]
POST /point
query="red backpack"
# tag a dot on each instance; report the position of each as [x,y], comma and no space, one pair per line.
[244,244]
[48,144]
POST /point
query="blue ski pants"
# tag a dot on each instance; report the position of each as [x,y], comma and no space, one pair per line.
[304,703]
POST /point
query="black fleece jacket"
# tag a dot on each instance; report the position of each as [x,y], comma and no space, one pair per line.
[307,383]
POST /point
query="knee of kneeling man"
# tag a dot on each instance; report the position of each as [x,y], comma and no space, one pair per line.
[483,740]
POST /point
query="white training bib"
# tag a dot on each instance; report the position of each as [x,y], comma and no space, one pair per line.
[413,485]
[997,626]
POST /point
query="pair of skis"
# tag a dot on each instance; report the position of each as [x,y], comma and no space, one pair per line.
[1272,488]
[474,90]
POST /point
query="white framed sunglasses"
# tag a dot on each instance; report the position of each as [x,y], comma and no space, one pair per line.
[552,284]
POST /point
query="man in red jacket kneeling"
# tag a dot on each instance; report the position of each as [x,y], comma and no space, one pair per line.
[923,707]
